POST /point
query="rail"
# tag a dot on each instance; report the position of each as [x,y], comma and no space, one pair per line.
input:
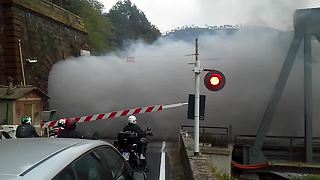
[290,139]
[287,147]
[214,135]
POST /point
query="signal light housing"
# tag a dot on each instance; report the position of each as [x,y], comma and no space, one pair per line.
[214,80]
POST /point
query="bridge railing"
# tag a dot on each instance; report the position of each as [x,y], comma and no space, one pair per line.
[213,135]
[285,147]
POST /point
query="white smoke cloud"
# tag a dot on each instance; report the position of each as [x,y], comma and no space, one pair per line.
[169,14]
[271,13]
[251,60]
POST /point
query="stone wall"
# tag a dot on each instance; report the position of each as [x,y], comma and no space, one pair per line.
[185,153]
[196,167]
[47,33]
[212,160]
[219,157]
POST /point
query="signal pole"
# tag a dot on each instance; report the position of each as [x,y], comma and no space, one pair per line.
[197,72]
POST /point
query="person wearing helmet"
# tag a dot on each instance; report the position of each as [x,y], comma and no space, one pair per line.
[62,122]
[26,130]
[133,127]
[54,131]
[68,128]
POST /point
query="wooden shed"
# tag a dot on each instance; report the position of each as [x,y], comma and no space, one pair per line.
[16,102]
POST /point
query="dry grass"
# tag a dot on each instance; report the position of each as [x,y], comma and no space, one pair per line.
[309,177]
[220,175]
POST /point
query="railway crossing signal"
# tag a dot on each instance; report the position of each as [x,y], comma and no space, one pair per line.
[214,80]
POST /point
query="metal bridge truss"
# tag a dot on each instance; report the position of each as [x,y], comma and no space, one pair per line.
[306,26]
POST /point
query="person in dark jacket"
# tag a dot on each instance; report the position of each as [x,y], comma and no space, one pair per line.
[26,130]
[133,127]
[67,129]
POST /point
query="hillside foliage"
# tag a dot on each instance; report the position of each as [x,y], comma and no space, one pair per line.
[130,23]
[109,31]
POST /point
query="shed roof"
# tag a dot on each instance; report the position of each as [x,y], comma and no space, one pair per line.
[19,92]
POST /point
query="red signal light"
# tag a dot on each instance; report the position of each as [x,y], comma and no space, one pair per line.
[214,80]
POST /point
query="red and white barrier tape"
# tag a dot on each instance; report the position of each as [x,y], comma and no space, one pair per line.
[115,114]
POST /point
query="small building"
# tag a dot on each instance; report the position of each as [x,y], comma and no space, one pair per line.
[19,101]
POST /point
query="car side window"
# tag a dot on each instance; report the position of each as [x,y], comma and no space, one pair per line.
[90,167]
[119,168]
[65,174]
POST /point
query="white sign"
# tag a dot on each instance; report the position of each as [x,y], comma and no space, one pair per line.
[84,53]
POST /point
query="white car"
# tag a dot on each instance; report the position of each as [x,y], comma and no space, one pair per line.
[63,159]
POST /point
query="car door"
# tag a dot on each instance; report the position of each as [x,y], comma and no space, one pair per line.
[119,168]
[89,166]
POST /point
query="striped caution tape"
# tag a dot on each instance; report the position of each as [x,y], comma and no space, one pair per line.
[115,114]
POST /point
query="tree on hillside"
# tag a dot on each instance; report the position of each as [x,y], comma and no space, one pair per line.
[131,24]
[99,27]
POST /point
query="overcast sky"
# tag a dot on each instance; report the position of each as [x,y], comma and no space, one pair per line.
[169,14]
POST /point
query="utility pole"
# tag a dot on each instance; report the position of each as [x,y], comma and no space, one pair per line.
[21,60]
[197,72]
[214,81]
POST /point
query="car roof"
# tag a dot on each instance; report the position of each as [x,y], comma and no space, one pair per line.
[20,156]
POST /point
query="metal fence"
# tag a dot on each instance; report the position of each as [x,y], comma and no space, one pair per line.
[211,135]
[281,147]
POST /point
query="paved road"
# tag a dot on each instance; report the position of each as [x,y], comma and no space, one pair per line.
[158,161]
[157,154]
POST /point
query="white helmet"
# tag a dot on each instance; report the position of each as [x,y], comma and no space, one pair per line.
[62,122]
[132,120]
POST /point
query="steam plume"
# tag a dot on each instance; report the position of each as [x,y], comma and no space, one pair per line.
[250,59]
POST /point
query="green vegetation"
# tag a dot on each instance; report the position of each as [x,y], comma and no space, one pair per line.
[99,27]
[131,24]
[220,175]
[308,177]
[106,32]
